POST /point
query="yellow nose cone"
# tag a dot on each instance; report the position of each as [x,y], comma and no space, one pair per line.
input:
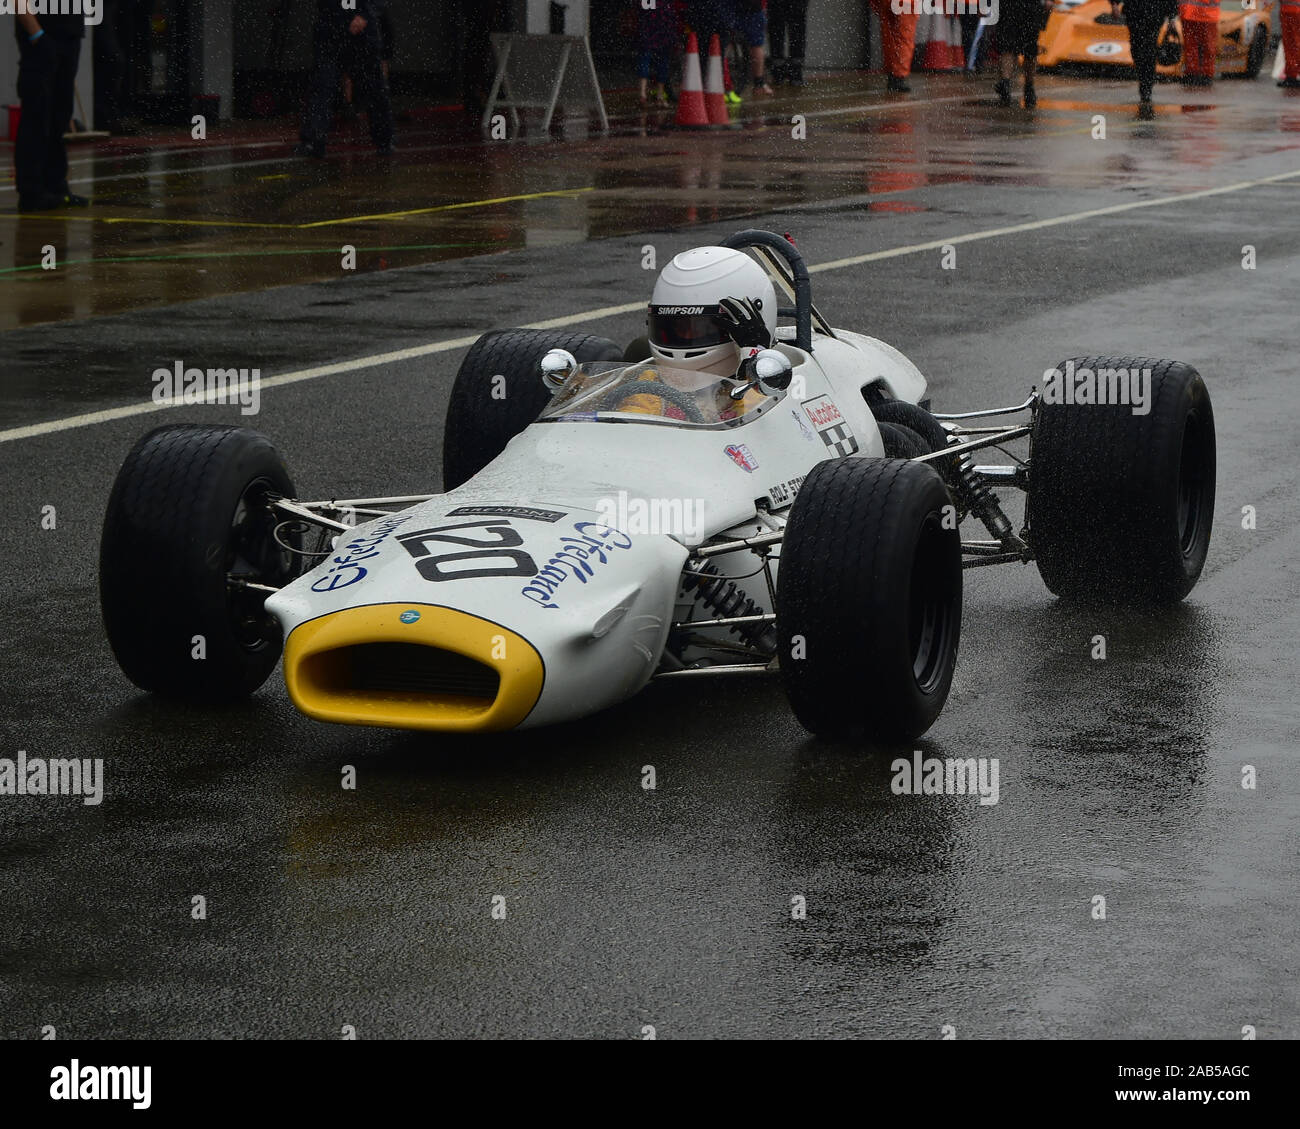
[412,666]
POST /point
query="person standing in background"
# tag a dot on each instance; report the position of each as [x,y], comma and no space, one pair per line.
[1144,18]
[790,16]
[1020,22]
[897,40]
[1290,10]
[49,51]
[334,25]
[659,32]
[1200,40]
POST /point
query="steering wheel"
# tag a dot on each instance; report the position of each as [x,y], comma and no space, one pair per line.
[674,396]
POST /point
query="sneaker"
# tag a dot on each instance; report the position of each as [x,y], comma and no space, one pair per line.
[1289,83]
[72,200]
[898,85]
[1002,88]
[732,98]
[763,90]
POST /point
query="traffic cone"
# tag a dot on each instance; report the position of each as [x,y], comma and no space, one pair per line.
[938,43]
[715,98]
[691,113]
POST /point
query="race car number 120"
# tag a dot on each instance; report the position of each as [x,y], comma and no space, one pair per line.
[494,540]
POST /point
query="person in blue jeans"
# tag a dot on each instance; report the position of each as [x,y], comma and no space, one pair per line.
[335,28]
[49,50]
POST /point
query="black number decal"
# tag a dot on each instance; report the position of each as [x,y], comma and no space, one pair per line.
[500,544]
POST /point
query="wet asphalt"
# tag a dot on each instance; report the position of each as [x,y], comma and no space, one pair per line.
[672,908]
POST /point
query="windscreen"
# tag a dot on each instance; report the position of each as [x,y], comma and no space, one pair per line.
[652,393]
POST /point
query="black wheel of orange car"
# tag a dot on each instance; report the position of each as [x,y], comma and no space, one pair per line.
[187,522]
[1121,502]
[498,392]
[1255,53]
[869,597]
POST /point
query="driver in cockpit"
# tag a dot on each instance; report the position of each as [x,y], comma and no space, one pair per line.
[712,308]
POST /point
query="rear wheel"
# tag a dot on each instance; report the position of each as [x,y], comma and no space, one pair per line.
[1121,505]
[187,513]
[498,392]
[869,598]
[901,442]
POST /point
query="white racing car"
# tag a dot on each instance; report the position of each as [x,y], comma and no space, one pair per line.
[615,516]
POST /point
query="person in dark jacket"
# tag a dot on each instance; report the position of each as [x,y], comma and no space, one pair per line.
[335,25]
[1145,19]
[1018,27]
[49,50]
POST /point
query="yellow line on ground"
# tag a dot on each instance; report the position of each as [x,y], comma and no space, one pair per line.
[559,192]
[450,207]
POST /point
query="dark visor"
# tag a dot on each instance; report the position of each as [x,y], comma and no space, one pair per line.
[685,327]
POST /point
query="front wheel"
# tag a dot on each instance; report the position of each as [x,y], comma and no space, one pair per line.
[187,521]
[868,600]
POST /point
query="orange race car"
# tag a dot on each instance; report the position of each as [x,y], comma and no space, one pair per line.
[1085,32]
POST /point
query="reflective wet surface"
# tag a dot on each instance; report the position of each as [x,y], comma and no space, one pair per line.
[1119,778]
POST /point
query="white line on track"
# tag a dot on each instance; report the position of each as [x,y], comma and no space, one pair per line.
[89,419]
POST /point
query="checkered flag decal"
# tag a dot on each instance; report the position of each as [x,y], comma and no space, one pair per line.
[839,439]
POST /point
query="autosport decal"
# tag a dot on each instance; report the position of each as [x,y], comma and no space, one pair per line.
[782,494]
[831,425]
[578,557]
[345,569]
[742,456]
[531,513]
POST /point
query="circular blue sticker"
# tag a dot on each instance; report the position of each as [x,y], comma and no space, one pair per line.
[409,616]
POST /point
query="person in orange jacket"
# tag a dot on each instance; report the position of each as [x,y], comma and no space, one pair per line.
[897,39]
[1200,20]
[1291,43]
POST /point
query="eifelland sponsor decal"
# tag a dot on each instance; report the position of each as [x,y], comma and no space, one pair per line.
[345,569]
[577,558]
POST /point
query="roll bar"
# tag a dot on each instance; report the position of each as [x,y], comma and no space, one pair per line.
[797,277]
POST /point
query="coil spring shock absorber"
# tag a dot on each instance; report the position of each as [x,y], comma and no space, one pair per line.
[727,599]
[980,500]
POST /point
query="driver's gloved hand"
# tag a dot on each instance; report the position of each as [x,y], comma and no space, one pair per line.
[742,322]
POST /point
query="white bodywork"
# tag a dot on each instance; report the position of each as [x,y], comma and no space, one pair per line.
[600,604]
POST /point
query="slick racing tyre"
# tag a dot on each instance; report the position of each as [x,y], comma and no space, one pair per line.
[188,511]
[1121,504]
[916,419]
[485,413]
[868,601]
[901,442]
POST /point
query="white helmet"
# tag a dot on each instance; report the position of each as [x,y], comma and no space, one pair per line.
[684,325]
